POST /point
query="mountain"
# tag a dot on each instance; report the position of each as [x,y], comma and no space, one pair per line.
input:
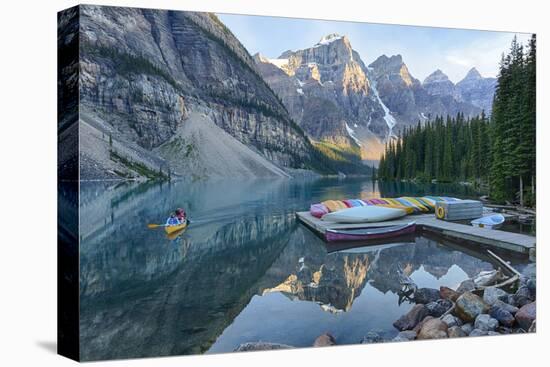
[154,93]
[345,105]
[411,101]
[438,84]
[327,90]
[477,90]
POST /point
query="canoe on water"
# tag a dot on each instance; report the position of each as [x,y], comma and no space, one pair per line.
[175,228]
[365,234]
[490,222]
[364,214]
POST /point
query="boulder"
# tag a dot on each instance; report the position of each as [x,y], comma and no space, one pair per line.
[409,320]
[405,336]
[371,338]
[532,286]
[451,320]
[433,329]
[530,271]
[420,324]
[426,295]
[492,294]
[468,306]
[477,332]
[521,297]
[485,322]
[503,316]
[526,315]
[438,307]
[506,306]
[324,340]
[467,328]
[466,286]
[456,332]
[448,293]
[504,330]
[256,346]
[524,291]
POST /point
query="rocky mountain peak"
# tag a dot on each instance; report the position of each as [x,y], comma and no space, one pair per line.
[393,63]
[437,76]
[392,68]
[473,74]
[329,38]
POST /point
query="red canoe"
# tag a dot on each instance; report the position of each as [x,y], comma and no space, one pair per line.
[373,233]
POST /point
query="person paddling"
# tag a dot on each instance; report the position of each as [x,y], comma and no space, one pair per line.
[181,215]
[173,220]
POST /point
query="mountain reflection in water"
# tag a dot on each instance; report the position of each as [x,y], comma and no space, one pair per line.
[243,271]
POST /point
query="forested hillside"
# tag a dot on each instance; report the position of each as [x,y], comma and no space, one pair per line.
[498,152]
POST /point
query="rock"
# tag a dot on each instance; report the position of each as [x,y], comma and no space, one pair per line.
[492,294]
[468,306]
[466,286]
[493,333]
[256,346]
[456,332]
[477,332]
[372,337]
[448,293]
[532,286]
[409,320]
[438,308]
[504,330]
[523,291]
[451,320]
[405,336]
[426,295]
[324,340]
[420,324]
[521,297]
[485,322]
[526,315]
[487,278]
[433,329]
[530,271]
[467,328]
[533,327]
[503,316]
[506,306]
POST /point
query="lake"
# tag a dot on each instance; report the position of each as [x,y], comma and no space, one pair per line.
[243,271]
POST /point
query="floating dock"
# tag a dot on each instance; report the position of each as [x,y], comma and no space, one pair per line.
[515,242]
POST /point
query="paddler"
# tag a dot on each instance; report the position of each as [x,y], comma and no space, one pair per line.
[181,215]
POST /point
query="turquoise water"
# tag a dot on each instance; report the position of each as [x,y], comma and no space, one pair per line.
[243,271]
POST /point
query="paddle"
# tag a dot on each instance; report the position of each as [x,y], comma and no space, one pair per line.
[153,226]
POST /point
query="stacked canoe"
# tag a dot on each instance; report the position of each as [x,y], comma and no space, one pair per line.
[410,205]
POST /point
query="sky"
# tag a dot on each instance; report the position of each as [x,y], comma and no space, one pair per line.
[424,49]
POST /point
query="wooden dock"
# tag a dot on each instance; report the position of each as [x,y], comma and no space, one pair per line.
[515,242]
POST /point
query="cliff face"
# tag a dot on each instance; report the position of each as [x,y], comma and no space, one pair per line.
[326,89]
[145,72]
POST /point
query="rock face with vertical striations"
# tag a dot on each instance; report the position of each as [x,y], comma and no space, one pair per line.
[145,73]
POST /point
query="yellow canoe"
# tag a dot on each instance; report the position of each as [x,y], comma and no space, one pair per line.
[175,228]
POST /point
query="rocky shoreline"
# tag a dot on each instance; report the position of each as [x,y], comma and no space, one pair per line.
[479,306]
